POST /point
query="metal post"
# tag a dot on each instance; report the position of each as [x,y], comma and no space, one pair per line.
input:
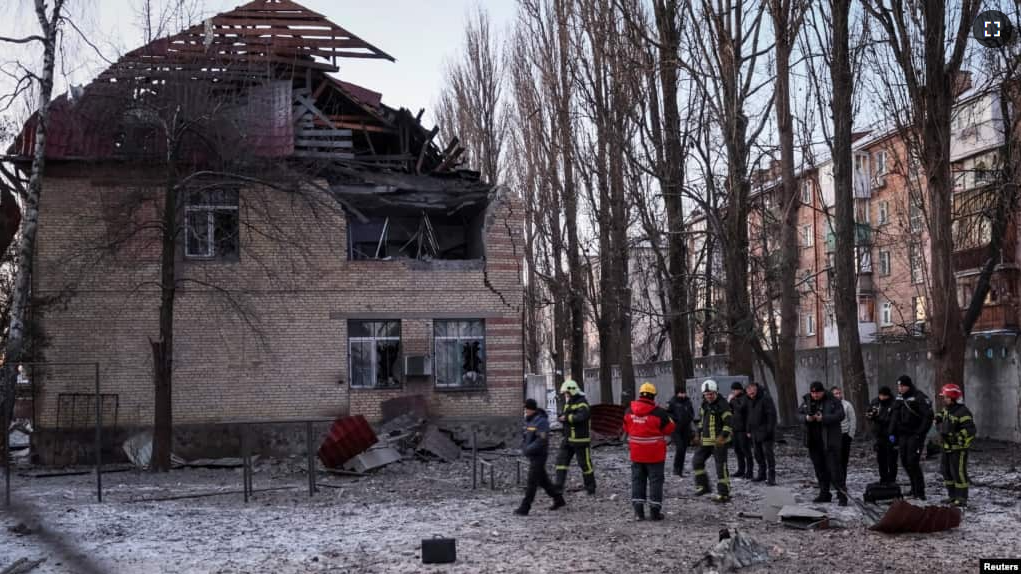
[99,439]
[244,460]
[311,459]
[475,456]
[7,459]
[251,487]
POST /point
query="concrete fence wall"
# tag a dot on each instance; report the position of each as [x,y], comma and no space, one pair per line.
[992,378]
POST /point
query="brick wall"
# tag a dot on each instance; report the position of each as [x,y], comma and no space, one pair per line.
[264,337]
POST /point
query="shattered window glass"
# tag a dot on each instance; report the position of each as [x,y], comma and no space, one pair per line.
[212,222]
[460,349]
[374,350]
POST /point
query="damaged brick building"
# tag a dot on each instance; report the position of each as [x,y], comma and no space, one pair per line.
[375,267]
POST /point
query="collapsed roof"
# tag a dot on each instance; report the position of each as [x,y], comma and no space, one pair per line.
[274,57]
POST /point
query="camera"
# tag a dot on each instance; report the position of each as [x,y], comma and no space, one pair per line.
[872,413]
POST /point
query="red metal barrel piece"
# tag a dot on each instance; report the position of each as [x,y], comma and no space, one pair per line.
[348,437]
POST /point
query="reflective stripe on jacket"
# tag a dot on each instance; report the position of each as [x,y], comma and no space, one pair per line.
[647,427]
[956,427]
[715,421]
[577,413]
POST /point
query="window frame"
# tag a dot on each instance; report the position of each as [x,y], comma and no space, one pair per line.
[886,314]
[885,263]
[807,236]
[461,339]
[810,324]
[374,360]
[210,211]
[806,192]
[879,166]
[884,213]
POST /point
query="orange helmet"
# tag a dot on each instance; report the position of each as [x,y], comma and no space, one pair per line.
[951,391]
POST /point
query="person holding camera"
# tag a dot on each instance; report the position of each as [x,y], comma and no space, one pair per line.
[886,452]
[823,414]
[910,422]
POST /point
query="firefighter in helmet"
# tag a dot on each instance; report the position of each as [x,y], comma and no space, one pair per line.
[577,438]
[713,439]
[957,428]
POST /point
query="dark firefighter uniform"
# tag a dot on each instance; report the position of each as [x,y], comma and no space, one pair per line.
[577,438]
[957,428]
[714,437]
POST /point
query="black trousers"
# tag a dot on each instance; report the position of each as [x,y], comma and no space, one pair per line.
[743,450]
[764,455]
[719,454]
[680,449]
[845,450]
[647,483]
[538,478]
[911,458]
[886,458]
[584,452]
[955,473]
[829,473]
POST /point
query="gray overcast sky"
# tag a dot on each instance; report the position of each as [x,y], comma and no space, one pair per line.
[421,34]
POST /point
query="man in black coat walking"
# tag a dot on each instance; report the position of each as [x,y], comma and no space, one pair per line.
[823,414]
[910,421]
[683,413]
[535,446]
[760,428]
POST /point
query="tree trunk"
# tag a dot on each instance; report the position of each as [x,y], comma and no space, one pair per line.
[846,294]
[566,133]
[22,292]
[163,349]
[671,179]
[786,389]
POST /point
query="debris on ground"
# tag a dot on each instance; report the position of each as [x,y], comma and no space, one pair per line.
[438,443]
[803,518]
[21,529]
[138,447]
[348,437]
[607,423]
[776,497]
[22,566]
[906,517]
[372,459]
[732,552]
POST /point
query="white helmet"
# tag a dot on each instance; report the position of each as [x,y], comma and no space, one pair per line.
[709,385]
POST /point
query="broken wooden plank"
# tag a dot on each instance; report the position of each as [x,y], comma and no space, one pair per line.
[315,111]
[307,143]
[324,133]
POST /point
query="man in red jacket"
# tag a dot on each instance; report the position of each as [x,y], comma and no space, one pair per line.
[647,427]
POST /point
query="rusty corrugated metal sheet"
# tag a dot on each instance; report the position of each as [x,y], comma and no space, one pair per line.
[348,437]
[608,420]
[906,517]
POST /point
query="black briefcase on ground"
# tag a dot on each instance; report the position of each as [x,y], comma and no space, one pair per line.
[878,491]
[438,550]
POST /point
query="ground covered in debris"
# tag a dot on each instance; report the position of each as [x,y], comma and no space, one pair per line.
[376,523]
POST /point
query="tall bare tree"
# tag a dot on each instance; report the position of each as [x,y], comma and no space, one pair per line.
[471,105]
[724,62]
[50,20]
[928,58]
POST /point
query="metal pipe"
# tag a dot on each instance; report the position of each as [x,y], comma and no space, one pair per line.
[244,461]
[7,459]
[311,459]
[99,438]
[475,456]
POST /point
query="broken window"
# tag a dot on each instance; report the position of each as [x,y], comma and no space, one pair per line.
[423,236]
[374,351]
[211,218]
[460,353]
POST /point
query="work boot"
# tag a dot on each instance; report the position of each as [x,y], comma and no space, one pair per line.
[823,497]
[521,511]
[740,472]
[960,502]
[700,490]
[640,511]
[721,498]
[841,500]
[656,514]
[771,481]
[558,502]
[678,472]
